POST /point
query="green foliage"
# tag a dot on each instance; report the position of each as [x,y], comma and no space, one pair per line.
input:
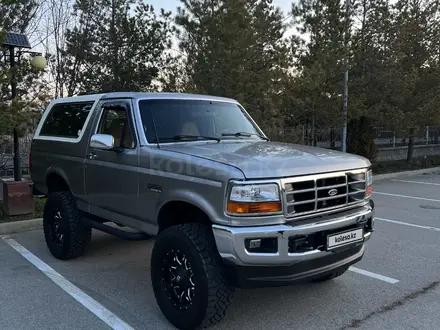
[236,49]
[32,91]
[117,45]
[16,14]
[393,56]
[316,92]
[32,96]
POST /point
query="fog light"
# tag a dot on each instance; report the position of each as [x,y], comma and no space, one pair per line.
[262,245]
[254,243]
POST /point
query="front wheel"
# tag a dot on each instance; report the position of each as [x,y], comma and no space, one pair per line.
[188,277]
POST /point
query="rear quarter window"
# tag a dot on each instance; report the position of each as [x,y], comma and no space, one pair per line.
[66,120]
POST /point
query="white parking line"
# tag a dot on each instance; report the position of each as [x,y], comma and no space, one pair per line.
[405,196]
[88,302]
[374,275]
[408,224]
[418,182]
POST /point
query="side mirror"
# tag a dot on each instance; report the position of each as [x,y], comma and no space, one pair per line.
[102,141]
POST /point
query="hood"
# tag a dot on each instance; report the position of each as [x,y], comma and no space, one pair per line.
[263,159]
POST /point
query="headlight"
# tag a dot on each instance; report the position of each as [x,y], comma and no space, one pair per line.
[369,183]
[254,199]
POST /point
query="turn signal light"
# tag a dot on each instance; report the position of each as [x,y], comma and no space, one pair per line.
[249,208]
[369,191]
[369,183]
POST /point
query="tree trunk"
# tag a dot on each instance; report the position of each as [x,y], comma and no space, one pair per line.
[115,65]
[332,139]
[307,131]
[409,157]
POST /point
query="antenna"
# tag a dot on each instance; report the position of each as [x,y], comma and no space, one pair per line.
[154,127]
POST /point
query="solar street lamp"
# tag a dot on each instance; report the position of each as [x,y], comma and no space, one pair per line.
[18,41]
[39,62]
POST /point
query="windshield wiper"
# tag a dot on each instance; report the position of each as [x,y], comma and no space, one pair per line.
[246,134]
[190,137]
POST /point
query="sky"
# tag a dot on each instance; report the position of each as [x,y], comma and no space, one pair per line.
[171,5]
[168,5]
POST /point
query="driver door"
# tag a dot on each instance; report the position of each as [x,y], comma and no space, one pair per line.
[111,177]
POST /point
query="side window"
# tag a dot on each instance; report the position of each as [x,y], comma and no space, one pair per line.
[115,121]
[66,119]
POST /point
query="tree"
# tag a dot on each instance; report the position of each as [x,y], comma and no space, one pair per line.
[370,54]
[237,49]
[16,16]
[116,45]
[22,112]
[360,140]
[413,71]
[57,22]
[319,87]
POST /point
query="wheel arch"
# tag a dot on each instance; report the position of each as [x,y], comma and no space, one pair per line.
[178,212]
[56,181]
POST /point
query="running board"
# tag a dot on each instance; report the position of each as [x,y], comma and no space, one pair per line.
[122,234]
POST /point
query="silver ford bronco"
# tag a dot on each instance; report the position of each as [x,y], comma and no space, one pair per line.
[229,207]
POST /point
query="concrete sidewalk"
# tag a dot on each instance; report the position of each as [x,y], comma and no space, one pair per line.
[20,226]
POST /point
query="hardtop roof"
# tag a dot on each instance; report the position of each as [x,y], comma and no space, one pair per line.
[141,95]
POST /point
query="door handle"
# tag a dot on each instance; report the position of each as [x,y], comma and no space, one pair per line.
[92,155]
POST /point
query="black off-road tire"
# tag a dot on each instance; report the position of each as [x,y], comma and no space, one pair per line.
[331,276]
[76,236]
[212,293]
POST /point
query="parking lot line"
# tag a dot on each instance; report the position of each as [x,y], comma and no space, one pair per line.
[417,182]
[408,224]
[405,196]
[374,275]
[88,302]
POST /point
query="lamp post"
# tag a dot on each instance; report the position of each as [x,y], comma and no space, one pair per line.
[345,105]
[19,41]
[17,195]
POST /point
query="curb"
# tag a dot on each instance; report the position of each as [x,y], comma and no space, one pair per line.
[20,226]
[394,175]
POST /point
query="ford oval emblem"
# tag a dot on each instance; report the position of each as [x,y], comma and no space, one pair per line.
[332,192]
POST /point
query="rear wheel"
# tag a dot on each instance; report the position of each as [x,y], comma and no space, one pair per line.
[65,235]
[332,275]
[188,277]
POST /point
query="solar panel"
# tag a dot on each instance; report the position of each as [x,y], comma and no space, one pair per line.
[16,40]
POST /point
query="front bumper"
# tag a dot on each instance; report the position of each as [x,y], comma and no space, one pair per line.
[307,270]
[232,242]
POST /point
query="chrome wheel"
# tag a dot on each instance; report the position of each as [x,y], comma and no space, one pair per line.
[57,227]
[178,279]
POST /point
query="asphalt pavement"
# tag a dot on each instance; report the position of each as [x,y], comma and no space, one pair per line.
[395,286]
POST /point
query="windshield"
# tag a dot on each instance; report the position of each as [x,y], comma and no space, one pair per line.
[183,120]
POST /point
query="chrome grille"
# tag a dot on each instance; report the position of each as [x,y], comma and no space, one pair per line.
[325,192]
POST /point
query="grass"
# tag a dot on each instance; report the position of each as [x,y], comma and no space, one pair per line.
[402,165]
[39,206]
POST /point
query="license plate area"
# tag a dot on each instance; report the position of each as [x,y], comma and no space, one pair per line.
[344,238]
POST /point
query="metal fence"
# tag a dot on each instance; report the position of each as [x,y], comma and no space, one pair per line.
[383,136]
[426,135]
[7,154]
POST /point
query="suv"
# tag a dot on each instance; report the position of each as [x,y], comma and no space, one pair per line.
[229,207]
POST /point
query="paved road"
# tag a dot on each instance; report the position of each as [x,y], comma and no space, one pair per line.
[401,290]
